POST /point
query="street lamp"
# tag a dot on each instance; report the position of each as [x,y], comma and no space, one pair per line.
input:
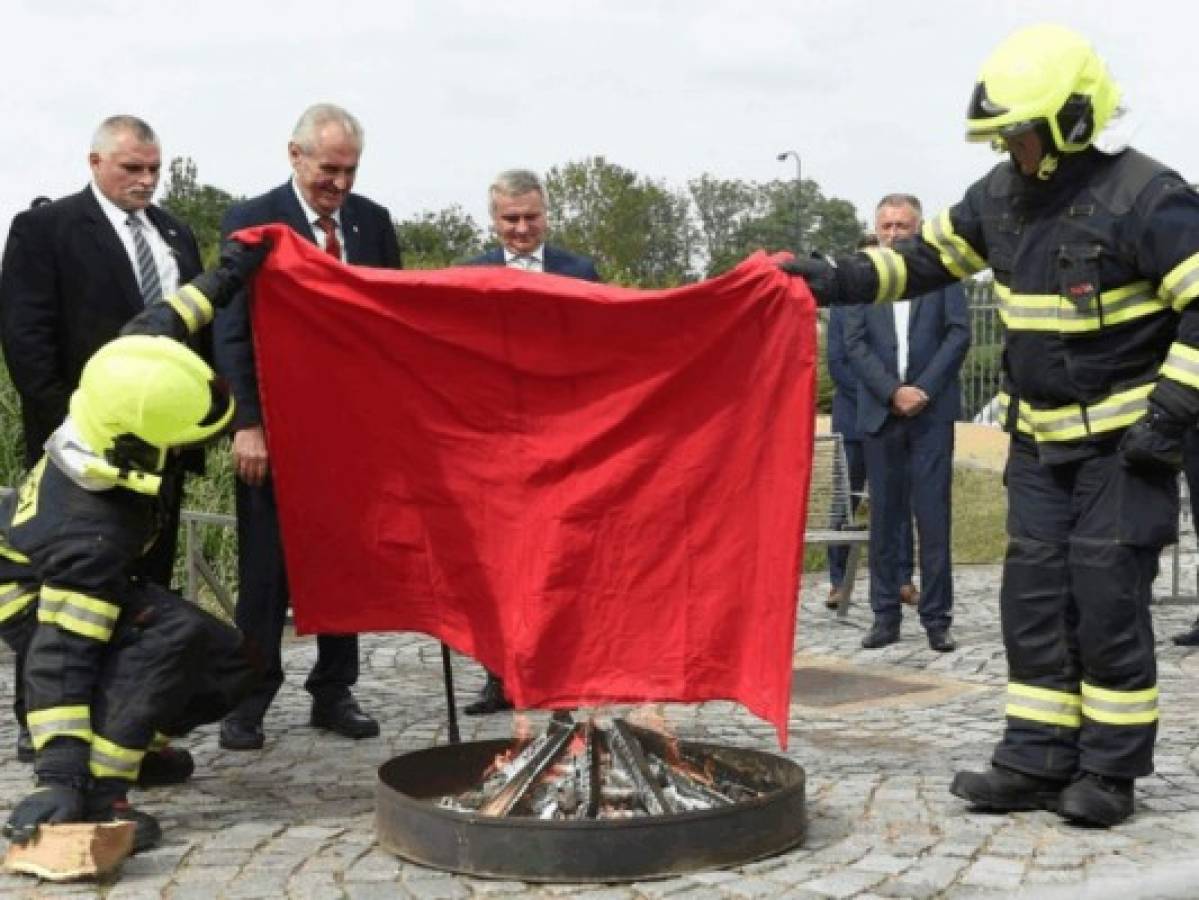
[798,199]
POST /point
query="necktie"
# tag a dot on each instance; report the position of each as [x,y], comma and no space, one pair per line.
[329,227]
[525,261]
[147,269]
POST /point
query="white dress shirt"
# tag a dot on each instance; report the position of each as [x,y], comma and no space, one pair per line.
[902,309]
[530,262]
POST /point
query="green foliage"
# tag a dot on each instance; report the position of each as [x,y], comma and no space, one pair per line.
[199,205]
[12,444]
[638,231]
[434,240]
[979,522]
[738,217]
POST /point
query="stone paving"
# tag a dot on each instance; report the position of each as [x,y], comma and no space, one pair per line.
[295,820]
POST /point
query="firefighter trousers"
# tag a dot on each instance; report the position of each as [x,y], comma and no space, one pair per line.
[168,667]
[1083,544]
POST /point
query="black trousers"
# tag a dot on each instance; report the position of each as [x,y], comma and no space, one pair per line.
[262,609]
[1084,541]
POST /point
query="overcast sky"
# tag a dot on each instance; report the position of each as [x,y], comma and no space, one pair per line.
[871,95]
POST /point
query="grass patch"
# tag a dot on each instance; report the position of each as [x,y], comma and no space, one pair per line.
[979,513]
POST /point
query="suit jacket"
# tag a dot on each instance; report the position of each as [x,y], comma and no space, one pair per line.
[845,383]
[369,240]
[938,337]
[67,286]
[556,261]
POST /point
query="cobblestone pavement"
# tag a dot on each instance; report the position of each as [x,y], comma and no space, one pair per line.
[295,820]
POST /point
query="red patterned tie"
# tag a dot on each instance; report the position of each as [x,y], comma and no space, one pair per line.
[329,227]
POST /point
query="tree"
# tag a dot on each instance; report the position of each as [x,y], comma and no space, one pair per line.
[639,231]
[201,206]
[434,240]
[740,217]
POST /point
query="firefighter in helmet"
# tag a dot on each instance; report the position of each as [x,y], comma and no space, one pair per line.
[113,663]
[1095,253]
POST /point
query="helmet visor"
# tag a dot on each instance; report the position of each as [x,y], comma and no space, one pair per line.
[988,121]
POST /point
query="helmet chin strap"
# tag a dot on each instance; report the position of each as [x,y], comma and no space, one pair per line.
[1047,166]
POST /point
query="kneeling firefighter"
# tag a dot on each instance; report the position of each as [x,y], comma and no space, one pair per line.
[112,662]
[1095,253]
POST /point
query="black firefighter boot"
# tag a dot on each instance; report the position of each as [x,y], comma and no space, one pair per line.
[1006,790]
[107,802]
[1097,800]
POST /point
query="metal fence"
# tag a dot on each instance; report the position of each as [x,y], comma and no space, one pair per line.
[980,373]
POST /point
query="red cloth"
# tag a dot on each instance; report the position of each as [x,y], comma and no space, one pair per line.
[597,492]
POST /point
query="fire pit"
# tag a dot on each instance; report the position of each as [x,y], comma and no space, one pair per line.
[583,803]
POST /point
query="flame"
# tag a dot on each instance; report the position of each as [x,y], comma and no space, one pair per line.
[522,727]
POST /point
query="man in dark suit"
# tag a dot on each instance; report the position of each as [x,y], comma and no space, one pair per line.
[845,423]
[906,358]
[517,202]
[74,272]
[324,151]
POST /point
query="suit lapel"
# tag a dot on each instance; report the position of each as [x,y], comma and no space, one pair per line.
[290,213]
[110,249]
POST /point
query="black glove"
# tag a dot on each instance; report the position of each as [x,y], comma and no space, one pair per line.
[157,319]
[1154,441]
[56,799]
[820,273]
[237,265]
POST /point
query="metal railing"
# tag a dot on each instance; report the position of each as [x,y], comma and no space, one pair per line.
[980,373]
[196,565]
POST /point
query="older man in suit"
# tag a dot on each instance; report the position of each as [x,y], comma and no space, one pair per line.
[845,423]
[906,357]
[74,272]
[517,202]
[317,203]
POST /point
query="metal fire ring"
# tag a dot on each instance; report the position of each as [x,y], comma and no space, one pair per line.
[412,826]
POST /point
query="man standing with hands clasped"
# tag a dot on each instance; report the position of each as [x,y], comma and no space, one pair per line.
[906,357]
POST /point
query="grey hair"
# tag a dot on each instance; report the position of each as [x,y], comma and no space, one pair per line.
[105,138]
[901,200]
[316,117]
[514,183]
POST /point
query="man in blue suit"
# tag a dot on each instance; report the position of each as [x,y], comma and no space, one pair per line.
[845,423]
[906,358]
[316,202]
[517,202]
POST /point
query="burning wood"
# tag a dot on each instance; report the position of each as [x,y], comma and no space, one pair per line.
[581,771]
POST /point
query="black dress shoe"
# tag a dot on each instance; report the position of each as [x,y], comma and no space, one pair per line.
[1006,790]
[237,734]
[491,699]
[165,766]
[1188,638]
[881,635]
[25,751]
[343,716]
[941,640]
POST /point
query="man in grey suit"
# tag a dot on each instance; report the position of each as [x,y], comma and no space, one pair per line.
[316,202]
[517,202]
[906,357]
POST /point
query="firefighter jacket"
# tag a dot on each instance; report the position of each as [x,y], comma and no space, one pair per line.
[1095,270]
